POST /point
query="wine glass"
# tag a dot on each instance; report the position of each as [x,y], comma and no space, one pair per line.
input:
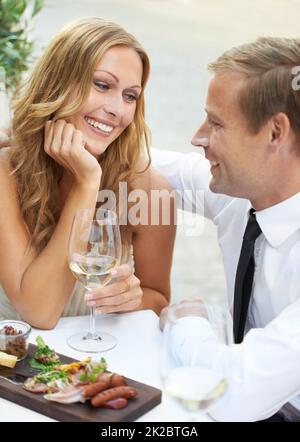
[94,249]
[193,382]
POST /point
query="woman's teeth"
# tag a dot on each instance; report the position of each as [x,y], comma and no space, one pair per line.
[98,125]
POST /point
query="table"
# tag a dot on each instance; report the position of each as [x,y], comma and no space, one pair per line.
[135,356]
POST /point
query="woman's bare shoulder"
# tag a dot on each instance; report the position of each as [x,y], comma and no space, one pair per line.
[150,178]
[7,180]
[4,154]
[5,167]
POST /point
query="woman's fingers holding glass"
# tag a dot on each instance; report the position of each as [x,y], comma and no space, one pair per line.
[118,287]
[122,272]
[122,295]
[127,307]
[120,303]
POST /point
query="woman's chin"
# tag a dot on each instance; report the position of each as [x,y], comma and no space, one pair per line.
[95,151]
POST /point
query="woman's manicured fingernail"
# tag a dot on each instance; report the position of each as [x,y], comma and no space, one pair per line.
[113,272]
[88,296]
[91,303]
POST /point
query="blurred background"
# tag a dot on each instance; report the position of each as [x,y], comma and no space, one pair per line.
[181,37]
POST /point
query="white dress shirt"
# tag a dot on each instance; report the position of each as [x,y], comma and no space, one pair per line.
[264,370]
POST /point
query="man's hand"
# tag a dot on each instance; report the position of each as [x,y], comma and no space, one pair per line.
[185,307]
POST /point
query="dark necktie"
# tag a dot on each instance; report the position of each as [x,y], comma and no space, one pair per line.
[244,278]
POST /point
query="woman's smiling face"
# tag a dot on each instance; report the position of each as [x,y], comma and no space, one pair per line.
[111,102]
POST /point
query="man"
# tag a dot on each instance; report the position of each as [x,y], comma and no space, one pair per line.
[251,139]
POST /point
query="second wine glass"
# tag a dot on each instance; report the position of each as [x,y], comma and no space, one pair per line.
[94,250]
[194,385]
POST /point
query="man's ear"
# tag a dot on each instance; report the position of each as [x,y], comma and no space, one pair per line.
[280,128]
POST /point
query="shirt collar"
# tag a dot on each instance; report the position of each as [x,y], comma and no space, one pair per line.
[279,222]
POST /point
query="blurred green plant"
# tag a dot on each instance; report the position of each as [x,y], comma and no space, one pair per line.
[16,47]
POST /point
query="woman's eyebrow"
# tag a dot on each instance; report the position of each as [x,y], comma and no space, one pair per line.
[116,78]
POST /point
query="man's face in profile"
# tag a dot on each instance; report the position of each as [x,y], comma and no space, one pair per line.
[238,157]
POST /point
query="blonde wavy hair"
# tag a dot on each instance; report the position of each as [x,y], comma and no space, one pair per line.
[67,64]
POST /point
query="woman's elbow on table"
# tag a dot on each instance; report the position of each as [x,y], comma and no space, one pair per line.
[43,325]
[40,320]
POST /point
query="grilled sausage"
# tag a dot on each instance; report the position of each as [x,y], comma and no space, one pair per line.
[113,393]
[116,404]
[104,376]
[92,389]
[116,380]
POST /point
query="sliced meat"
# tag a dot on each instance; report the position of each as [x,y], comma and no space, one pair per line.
[35,387]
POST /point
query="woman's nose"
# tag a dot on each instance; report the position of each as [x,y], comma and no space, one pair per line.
[114,107]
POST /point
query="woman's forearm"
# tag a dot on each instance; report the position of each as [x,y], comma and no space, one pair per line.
[48,282]
[153,300]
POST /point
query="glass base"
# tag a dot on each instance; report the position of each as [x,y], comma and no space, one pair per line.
[96,343]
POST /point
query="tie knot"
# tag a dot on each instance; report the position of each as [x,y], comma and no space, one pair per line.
[252,229]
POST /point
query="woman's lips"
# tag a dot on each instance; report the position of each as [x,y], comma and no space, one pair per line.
[98,131]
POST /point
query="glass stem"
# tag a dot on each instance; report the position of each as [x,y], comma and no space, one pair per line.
[92,323]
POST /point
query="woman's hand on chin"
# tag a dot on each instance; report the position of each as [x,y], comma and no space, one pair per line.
[125,294]
[65,144]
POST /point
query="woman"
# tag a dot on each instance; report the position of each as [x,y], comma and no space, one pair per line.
[79,128]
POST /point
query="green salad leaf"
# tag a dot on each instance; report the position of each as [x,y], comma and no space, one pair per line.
[36,365]
[53,375]
[43,348]
[43,351]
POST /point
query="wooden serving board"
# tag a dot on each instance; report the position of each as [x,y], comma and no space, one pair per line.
[148,397]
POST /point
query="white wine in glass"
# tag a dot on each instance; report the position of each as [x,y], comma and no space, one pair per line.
[94,250]
[196,388]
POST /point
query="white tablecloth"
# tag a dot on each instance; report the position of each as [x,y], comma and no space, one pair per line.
[136,356]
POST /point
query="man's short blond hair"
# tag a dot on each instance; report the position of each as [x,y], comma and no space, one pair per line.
[267,65]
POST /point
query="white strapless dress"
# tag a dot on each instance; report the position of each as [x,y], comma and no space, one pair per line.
[76,305]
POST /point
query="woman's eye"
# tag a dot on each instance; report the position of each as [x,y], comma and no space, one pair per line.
[101,86]
[130,97]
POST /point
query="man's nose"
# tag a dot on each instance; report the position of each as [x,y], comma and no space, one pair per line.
[201,137]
